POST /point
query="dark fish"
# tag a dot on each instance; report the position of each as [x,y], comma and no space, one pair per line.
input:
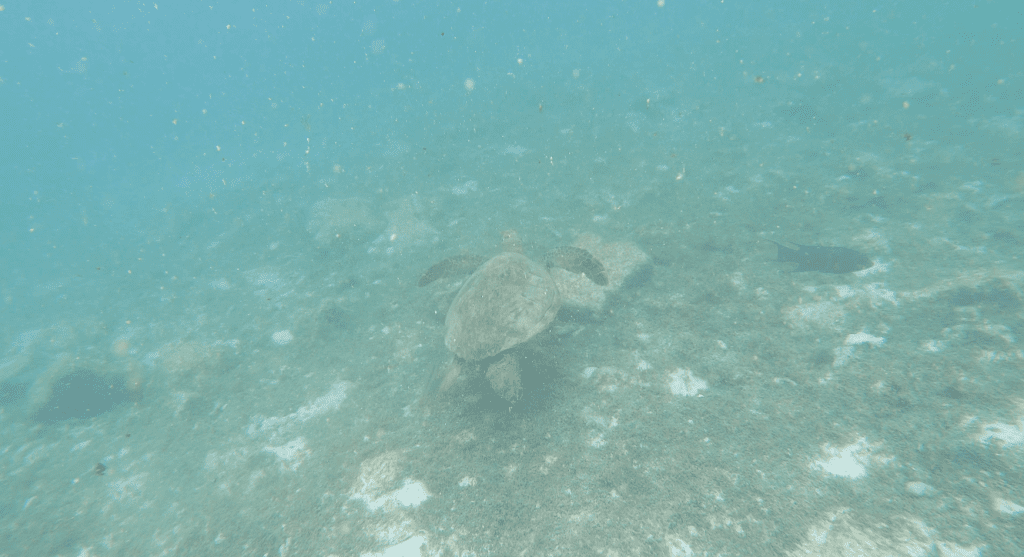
[824,259]
[451,267]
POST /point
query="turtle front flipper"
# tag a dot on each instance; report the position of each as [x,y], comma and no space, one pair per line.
[454,266]
[578,260]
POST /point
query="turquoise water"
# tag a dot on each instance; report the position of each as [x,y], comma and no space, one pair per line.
[212,341]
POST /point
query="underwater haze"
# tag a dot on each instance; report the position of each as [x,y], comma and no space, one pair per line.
[256,299]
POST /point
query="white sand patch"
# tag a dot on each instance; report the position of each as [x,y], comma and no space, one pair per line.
[264,277]
[377,475]
[873,238]
[1003,506]
[641,364]
[610,379]
[841,355]
[290,455]
[840,535]
[408,548]
[850,461]
[996,330]
[394,148]
[682,382]
[594,418]
[549,461]
[633,120]
[825,314]
[277,425]
[411,494]
[845,291]
[738,281]
[832,313]
[128,488]
[973,279]
[950,549]
[876,267]
[1000,356]
[282,337]
[1011,435]
[232,458]
[595,437]
[878,295]
[466,187]
[864,338]
[677,547]
[920,489]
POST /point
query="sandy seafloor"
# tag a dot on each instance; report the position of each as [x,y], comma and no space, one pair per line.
[279,366]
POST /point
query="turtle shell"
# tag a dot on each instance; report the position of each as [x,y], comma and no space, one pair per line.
[508,300]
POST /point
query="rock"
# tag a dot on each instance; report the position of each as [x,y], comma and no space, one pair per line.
[622,261]
[343,220]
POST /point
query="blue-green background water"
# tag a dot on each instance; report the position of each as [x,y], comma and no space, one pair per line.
[212,341]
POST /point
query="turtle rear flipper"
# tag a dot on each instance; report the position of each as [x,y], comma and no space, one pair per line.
[578,260]
[457,265]
[505,378]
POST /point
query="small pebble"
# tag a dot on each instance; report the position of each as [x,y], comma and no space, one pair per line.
[283,337]
[920,489]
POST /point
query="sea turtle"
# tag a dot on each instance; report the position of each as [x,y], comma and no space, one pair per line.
[505,302]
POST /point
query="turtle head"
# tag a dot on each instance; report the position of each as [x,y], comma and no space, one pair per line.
[510,241]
